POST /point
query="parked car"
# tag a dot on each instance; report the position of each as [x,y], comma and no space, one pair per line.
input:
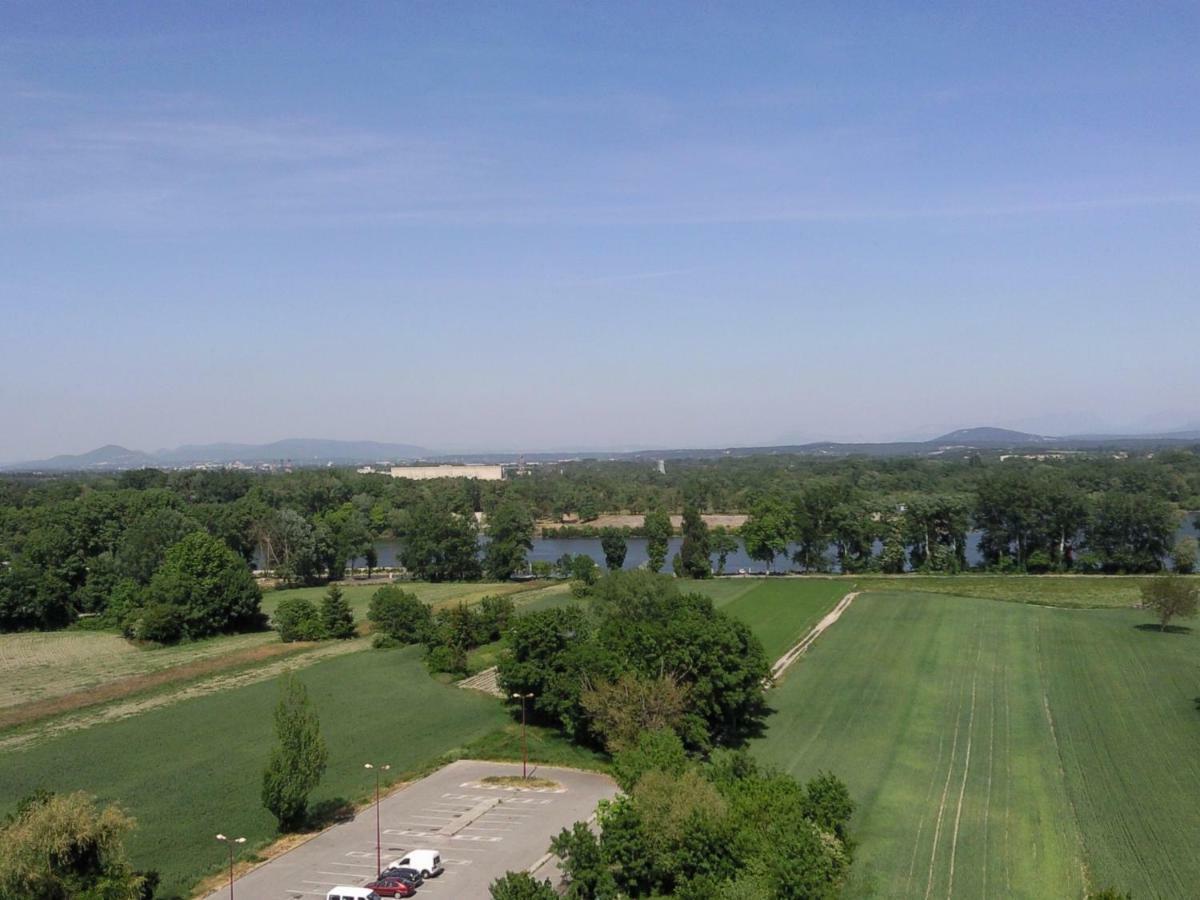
[391,887]
[427,862]
[412,876]
[351,893]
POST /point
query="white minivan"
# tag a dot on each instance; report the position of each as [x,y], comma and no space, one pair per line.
[352,893]
[427,862]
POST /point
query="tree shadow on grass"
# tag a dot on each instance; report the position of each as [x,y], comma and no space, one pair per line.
[1170,629]
[329,812]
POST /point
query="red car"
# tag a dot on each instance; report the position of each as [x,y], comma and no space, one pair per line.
[391,887]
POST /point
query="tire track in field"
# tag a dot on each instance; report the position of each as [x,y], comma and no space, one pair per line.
[937,831]
[962,790]
[934,769]
[987,802]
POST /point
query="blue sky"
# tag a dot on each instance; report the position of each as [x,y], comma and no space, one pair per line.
[537,226]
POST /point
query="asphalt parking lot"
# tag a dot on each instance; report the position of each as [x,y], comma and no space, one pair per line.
[481,832]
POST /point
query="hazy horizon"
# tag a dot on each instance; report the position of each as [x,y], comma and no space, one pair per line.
[530,226]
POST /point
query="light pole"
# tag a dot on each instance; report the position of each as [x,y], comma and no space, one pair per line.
[230,842]
[378,850]
[524,746]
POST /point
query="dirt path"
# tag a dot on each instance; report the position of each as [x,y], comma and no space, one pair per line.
[784,662]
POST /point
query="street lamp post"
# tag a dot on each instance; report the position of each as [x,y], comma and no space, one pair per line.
[230,842]
[524,746]
[378,848]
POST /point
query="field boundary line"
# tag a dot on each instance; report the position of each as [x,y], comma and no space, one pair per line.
[784,662]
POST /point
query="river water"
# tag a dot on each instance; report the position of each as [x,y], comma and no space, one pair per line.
[550,549]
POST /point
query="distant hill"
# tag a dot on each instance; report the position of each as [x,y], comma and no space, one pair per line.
[298,451]
[109,456]
[990,437]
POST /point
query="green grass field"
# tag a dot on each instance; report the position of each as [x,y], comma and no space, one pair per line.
[1072,591]
[193,769]
[781,611]
[1001,749]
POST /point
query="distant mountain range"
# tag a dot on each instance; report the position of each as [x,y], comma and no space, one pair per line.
[297,451]
[314,452]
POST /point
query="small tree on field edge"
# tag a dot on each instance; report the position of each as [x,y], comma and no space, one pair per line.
[336,615]
[1170,596]
[298,759]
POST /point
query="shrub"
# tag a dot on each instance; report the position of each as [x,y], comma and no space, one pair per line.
[400,615]
[158,622]
[297,619]
[444,658]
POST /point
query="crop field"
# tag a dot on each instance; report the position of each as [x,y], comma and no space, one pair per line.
[780,611]
[1001,749]
[193,769]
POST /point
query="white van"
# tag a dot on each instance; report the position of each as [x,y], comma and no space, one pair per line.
[427,862]
[351,893]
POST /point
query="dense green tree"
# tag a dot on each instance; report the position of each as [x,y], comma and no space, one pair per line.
[521,886]
[1185,554]
[694,551]
[400,616]
[1131,532]
[146,541]
[209,584]
[337,618]
[660,750]
[643,626]
[582,862]
[765,532]
[298,759]
[1170,597]
[59,847]
[657,527]
[440,544]
[722,543]
[510,538]
[612,542]
[297,619]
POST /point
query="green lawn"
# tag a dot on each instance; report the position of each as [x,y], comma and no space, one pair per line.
[359,595]
[780,611]
[1075,591]
[193,769]
[1001,749]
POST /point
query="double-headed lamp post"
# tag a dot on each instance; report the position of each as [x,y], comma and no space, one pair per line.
[230,842]
[378,844]
[524,746]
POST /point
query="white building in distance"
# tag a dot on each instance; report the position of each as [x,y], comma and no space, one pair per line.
[423,473]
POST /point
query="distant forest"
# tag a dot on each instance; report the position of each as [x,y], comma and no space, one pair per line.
[95,544]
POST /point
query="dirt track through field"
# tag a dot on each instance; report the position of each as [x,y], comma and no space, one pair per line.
[785,661]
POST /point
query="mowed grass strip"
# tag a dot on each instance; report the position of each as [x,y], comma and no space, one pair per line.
[1068,591]
[436,595]
[1001,749]
[781,611]
[191,770]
